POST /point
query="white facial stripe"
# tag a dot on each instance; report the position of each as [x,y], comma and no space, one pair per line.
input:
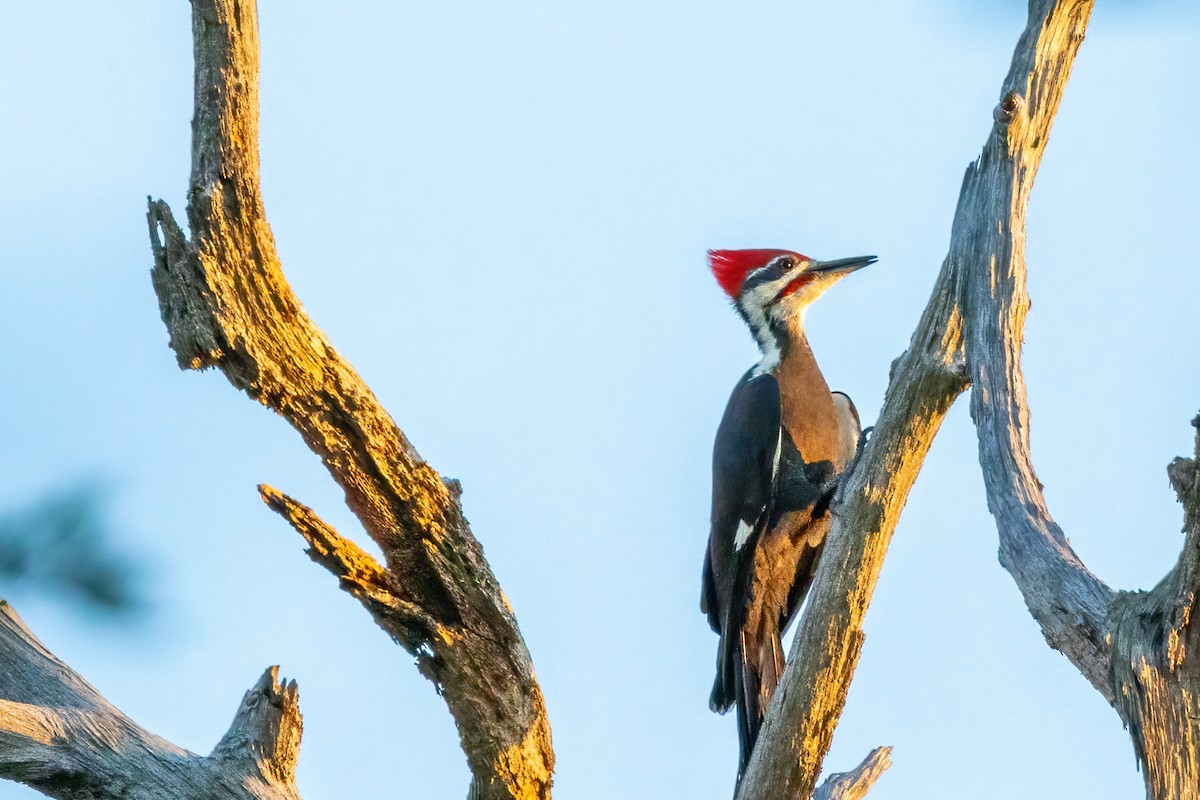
[756,305]
[773,262]
[770,357]
[766,312]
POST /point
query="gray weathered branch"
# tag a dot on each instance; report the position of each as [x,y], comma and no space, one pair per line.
[1140,650]
[855,784]
[1146,644]
[60,736]
[362,577]
[1068,601]
[226,304]
[926,380]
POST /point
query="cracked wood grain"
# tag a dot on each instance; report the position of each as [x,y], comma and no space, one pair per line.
[1139,650]
[926,380]
[59,736]
[855,784]
[227,305]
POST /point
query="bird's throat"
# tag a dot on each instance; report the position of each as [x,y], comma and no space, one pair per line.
[777,339]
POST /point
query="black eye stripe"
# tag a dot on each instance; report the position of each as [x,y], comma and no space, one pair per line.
[768,273]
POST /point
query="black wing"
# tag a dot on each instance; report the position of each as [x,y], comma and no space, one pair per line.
[745,458]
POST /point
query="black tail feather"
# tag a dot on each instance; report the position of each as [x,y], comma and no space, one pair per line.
[748,714]
[757,668]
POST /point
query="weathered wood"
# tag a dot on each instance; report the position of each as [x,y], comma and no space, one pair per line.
[925,381]
[1149,644]
[61,737]
[1140,650]
[226,304]
[855,784]
[1068,602]
[1156,685]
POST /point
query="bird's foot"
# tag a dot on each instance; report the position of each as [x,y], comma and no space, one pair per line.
[862,440]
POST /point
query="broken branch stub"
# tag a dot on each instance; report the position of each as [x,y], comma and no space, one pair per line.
[227,305]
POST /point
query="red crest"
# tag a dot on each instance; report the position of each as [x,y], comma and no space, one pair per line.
[730,267]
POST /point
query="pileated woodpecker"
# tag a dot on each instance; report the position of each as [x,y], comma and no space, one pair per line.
[780,448]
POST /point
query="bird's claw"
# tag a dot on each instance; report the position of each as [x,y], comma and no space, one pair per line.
[864,436]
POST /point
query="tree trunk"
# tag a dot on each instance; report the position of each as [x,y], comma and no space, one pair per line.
[942,361]
[226,304]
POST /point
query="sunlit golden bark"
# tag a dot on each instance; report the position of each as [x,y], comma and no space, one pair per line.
[948,349]
[226,304]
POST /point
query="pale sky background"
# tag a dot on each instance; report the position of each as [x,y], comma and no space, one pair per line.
[499,214]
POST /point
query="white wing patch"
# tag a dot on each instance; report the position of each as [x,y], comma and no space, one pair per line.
[778,454]
[743,534]
[745,528]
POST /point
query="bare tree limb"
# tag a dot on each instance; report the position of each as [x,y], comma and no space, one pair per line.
[926,380]
[226,304]
[360,575]
[1155,658]
[803,714]
[1140,650]
[855,784]
[60,736]
[1065,598]
[1182,586]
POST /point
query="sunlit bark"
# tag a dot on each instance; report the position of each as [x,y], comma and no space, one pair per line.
[947,351]
[226,305]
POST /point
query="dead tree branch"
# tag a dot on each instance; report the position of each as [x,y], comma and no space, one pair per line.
[855,784]
[988,227]
[1068,601]
[1140,650]
[60,736]
[226,304]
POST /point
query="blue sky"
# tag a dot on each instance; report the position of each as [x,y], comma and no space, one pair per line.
[499,214]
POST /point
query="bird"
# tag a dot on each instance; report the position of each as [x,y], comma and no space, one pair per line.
[781,446]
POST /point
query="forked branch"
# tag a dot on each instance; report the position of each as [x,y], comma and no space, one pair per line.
[1140,650]
[226,304]
[938,366]
[60,736]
